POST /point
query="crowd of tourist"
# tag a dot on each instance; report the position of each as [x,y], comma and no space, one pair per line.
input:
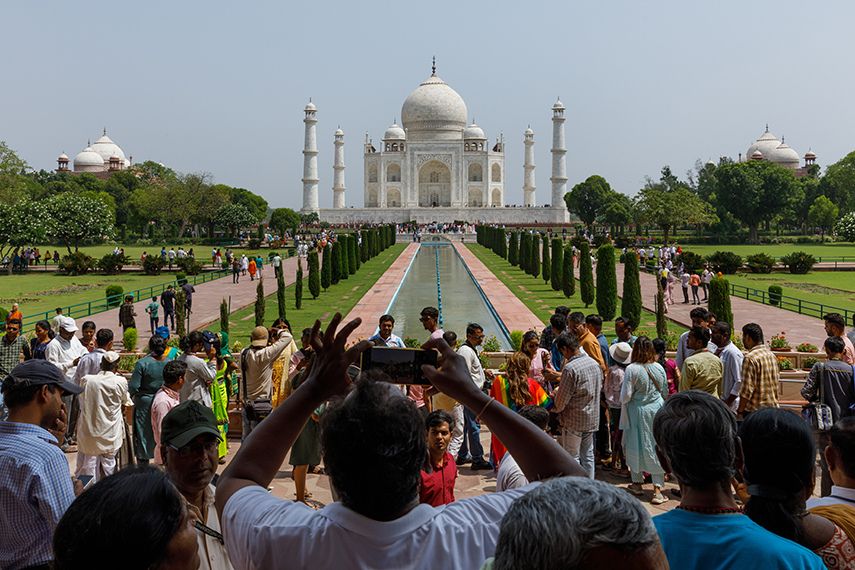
[569,403]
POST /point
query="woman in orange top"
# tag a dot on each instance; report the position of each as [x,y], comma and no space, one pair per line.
[516,389]
[695,281]
[253,269]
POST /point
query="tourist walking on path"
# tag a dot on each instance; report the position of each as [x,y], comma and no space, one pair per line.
[515,389]
[779,471]
[35,483]
[253,269]
[836,326]
[167,301]
[127,315]
[167,397]
[695,281]
[188,295]
[152,309]
[643,393]
[101,432]
[706,279]
[471,449]
[146,380]
[702,370]
[830,383]
[760,374]
[696,439]
[731,364]
[684,283]
[577,401]
[235,272]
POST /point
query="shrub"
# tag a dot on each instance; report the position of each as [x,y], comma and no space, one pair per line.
[799,262]
[224,316]
[78,263]
[779,341]
[189,265]
[410,342]
[180,278]
[180,312]
[807,347]
[586,275]
[254,243]
[237,346]
[725,262]
[692,262]
[661,322]
[491,344]
[280,291]
[785,364]
[534,256]
[607,283]
[568,281]
[516,340]
[719,302]
[336,263]
[630,305]
[557,264]
[114,295]
[808,362]
[546,262]
[298,286]
[775,294]
[152,264]
[315,274]
[129,339]
[112,264]
[259,303]
[760,263]
[514,248]
[326,267]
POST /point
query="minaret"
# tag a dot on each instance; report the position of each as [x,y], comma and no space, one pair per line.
[529,199]
[338,170]
[310,160]
[559,163]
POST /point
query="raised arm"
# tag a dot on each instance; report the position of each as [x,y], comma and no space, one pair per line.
[537,454]
[261,455]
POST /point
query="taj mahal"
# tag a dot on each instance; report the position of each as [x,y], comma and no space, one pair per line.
[435,167]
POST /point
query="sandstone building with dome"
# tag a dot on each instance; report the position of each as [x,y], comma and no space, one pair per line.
[435,166]
[100,159]
[767,147]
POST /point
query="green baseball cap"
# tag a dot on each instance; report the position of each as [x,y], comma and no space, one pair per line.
[183,423]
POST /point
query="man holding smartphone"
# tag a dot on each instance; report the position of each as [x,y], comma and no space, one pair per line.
[471,427]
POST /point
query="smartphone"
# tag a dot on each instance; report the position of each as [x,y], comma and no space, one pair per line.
[401,365]
[86,480]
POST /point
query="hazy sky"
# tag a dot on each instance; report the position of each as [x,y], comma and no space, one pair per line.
[220,87]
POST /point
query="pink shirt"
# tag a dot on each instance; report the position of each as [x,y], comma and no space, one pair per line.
[848,350]
[536,370]
[164,400]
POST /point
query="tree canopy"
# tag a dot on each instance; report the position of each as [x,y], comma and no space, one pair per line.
[587,199]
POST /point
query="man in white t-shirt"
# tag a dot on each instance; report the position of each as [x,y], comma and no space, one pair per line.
[510,476]
[374,448]
[471,450]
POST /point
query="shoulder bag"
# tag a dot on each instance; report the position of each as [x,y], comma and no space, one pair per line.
[817,414]
[258,409]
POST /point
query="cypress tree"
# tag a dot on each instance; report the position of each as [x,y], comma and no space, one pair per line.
[586,276]
[524,250]
[661,323]
[280,290]
[344,272]
[224,315]
[314,275]
[606,282]
[259,303]
[534,260]
[336,263]
[363,247]
[630,306]
[326,268]
[568,251]
[354,244]
[720,300]
[514,248]
[568,282]
[545,264]
[557,264]
[298,285]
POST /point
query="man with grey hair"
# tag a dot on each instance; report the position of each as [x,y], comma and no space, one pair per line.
[575,522]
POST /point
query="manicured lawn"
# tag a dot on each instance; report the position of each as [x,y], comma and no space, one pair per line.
[540,298]
[834,288]
[833,250]
[39,291]
[202,252]
[338,298]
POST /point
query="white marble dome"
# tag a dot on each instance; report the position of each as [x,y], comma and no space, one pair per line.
[473,131]
[107,149]
[785,156]
[434,106]
[766,144]
[88,160]
[394,133]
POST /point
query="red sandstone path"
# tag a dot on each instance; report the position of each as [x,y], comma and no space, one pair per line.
[206,301]
[799,328]
[375,301]
[512,311]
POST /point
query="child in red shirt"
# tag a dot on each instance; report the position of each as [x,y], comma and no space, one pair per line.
[439,471]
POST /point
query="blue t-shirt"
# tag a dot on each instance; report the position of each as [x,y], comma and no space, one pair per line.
[732,542]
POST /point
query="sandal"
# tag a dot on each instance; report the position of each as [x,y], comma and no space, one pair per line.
[658,498]
[635,489]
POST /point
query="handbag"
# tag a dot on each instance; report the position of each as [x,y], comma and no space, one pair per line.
[258,409]
[818,414]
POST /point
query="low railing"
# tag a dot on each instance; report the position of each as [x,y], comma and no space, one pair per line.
[800,306]
[88,308]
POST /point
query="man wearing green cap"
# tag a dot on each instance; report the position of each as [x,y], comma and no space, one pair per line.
[189,441]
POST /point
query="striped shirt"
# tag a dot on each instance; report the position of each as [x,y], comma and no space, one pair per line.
[577,398]
[35,491]
[760,380]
